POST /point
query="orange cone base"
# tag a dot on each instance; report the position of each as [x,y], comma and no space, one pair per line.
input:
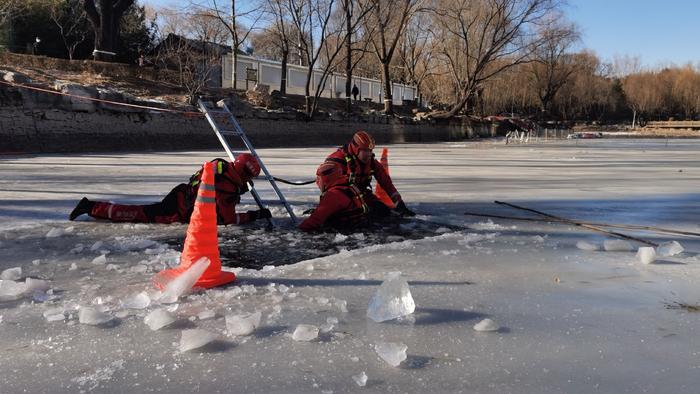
[164,277]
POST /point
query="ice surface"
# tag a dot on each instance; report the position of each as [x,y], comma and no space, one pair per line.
[195,338]
[93,316]
[617,245]
[97,246]
[183,283]
[391,352]
[392,300]
[360,379]
[137,301]
[668,249]
[305,332]
[11,274]
[646,254]
[583,245]
[486,325]
[99,260]
[240,325]
[158,319]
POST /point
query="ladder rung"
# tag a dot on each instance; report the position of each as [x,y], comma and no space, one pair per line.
[230,132]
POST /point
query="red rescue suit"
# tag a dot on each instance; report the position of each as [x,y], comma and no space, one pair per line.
[178,205]
[360,174]
[341,206]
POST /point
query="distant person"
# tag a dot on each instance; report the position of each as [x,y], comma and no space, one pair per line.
[360,166]
[355,92]
[230,181]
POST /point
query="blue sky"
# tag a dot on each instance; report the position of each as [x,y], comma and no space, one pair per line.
[659,32]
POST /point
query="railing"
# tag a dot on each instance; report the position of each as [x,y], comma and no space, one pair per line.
[539,135]
[674,124]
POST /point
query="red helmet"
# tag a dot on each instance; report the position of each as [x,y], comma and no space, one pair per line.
[361,140]
[329,174]
[246,166]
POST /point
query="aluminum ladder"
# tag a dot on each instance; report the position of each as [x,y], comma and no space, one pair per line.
[214,115]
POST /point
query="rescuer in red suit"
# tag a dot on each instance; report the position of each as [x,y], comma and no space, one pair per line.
[231,180]
[360,166]
[341,206]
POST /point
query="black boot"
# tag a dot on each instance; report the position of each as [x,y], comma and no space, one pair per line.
[84,206]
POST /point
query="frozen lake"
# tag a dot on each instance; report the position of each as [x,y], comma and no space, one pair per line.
[571,320]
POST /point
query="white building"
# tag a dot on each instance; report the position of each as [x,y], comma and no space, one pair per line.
[269,73]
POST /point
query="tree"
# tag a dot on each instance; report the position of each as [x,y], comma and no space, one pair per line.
[106,21]
[553,65]
[136,35]
[388,19]
[416,54]
[278,37]
[322,32]
[228,18]
[71,20]
[479,39]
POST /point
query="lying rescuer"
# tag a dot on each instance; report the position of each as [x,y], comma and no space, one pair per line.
[359,166]
[342,206]
[231,180]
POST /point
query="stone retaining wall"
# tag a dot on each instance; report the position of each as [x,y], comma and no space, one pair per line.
[32,121]
[52,130]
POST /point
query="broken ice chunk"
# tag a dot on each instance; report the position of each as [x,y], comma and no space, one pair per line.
[668,249]
[158,319]
[583,245]
[92,316]
[392,300]
[241,325]
[391,352]
[32,285]
[137,301]
[194,339]
[486,325]
[11,290]
[96,246]
[55,232]
[305,332]
[617,245]
[184,282]
[11,274]
[360,379]
[646,254]
[100,260]
[206,314]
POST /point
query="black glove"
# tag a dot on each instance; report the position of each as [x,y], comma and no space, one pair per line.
[260,214]
[403,210]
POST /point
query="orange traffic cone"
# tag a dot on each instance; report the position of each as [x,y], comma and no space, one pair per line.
[378,191]
[202,239]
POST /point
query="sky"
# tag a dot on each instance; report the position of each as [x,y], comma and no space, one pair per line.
[659,32]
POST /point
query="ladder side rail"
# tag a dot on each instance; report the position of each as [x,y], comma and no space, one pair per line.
[231,155]
[268,176]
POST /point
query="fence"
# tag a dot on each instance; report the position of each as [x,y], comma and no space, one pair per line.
[270,73]
[538,135]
